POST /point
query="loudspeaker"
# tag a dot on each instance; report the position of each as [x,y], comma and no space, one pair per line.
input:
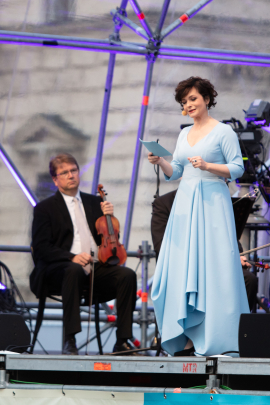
[253,337]
[13,332]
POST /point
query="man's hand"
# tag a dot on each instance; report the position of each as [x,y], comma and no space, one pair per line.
[107,208]
[198,162]
[244,262]
[82,258]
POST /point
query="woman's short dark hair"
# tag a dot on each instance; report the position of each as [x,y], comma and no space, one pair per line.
[58,160]
[203,86]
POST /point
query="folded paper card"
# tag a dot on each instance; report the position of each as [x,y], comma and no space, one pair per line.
[156,148]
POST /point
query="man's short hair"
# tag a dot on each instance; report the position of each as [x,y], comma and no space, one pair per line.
[58,160]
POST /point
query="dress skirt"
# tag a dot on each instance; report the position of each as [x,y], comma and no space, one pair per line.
[198,290]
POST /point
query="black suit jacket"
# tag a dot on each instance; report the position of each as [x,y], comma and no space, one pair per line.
[52,233]
[160,213]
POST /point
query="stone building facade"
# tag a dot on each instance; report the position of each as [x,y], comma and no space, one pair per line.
[51,101]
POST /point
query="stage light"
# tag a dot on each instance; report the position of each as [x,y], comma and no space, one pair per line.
[2,286]
[258,113]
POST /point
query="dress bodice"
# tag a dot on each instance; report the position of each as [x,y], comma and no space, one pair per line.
[219,146]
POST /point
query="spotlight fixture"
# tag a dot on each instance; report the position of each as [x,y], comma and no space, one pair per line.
[2,286]
[258,113]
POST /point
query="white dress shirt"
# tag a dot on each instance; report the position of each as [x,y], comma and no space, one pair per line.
[76,245]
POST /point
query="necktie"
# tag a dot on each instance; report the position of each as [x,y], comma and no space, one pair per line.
[87,240]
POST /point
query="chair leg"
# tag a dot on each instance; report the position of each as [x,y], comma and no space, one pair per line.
[41,306]
[97,326]
[63,337]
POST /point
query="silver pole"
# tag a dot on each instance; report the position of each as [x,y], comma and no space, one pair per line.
[213,58]
[103,122]
[144,318]
[137,156]
[124,20]
[138,11]
[184,17]
[162,17]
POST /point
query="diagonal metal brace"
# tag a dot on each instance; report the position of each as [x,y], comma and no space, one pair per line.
[142,18]
[184,17]
[118,18]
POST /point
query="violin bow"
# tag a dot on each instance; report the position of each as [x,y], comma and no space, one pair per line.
[255,249]
[91,289]
[251,194]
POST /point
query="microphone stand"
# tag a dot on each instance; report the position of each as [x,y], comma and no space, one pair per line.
[158,178]
[156,344]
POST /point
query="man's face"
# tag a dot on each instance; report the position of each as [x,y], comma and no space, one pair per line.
[67,178]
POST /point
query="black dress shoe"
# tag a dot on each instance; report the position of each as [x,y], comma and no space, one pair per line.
[186,352]
[124,347]
[70,347]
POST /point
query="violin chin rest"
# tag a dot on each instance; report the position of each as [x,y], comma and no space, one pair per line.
[113,260]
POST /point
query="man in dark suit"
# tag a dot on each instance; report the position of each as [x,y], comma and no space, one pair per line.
[63,235]
[160,215]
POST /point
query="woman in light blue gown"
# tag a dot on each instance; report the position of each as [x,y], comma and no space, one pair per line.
[198,289]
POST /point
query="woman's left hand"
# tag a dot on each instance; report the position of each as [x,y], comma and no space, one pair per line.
[198,162]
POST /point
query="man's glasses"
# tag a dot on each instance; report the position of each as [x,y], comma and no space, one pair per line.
[66,173]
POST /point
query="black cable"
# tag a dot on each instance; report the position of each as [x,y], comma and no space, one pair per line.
[11,348]
[258,197]
[266,213]
[229,351]
[108,337]
[138,266]
[13,290]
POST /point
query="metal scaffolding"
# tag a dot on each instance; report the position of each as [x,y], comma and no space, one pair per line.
[152,50]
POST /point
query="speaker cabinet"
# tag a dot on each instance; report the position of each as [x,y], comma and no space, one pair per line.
[13,332]
[254,335]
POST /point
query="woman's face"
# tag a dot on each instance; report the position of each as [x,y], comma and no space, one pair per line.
[194,104]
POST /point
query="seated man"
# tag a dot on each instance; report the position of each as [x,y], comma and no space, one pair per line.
[63,235]
[160,215]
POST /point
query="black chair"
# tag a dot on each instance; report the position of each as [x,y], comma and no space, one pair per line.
[50,292]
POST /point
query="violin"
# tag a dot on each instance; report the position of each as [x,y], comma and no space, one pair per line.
[110,251]
[264,266]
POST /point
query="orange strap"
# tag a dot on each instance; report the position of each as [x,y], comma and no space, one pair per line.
[144,296]
[184,18]
[145,100]
[141,16]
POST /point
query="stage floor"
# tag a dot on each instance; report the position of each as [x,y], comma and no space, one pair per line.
[136,373]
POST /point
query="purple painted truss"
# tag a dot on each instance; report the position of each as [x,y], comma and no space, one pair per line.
[152,50]
[18,177]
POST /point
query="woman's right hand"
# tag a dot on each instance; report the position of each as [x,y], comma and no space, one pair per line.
[155,160]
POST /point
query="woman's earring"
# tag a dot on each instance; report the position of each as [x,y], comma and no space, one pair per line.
[184,112]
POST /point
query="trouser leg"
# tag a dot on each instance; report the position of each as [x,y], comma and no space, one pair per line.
[120,283]
[251,283]
[72,288]
[68,279]
[110,282]
[125,301]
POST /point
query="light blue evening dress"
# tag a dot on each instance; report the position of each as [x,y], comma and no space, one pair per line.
[198,289]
